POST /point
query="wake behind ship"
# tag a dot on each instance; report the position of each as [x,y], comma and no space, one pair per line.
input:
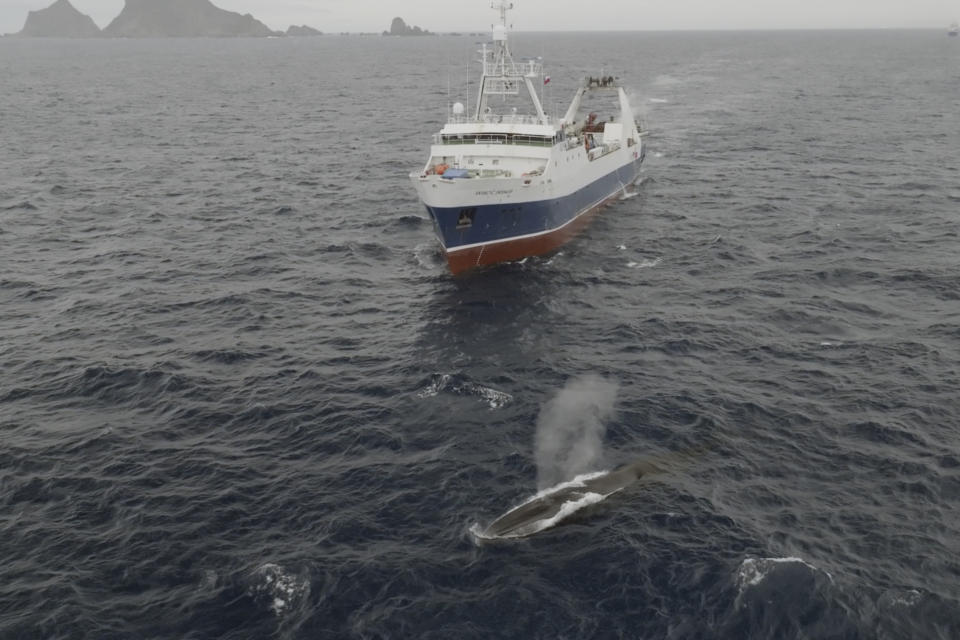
[502,184]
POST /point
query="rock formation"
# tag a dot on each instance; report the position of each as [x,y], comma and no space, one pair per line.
[303,30]
[60,20]
[399,28]
[182,18]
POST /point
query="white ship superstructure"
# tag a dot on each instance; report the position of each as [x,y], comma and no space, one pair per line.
[502,184]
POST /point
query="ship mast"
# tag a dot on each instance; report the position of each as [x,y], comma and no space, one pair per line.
[503,49]
[502,76]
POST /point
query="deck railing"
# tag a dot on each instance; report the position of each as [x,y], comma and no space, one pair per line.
[497,118]
[528,68]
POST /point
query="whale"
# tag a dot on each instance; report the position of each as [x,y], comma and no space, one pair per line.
[553,505]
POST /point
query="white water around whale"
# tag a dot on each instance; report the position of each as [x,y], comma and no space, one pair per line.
[579,501]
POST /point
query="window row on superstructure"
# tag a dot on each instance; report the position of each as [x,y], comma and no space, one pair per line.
[501,138]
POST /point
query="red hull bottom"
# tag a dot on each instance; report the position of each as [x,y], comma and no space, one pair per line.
[510,250]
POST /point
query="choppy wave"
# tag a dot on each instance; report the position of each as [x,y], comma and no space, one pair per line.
[241,397]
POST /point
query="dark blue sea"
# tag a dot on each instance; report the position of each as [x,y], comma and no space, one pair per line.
[242,398]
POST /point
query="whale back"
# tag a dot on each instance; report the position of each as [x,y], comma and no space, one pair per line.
[553,505]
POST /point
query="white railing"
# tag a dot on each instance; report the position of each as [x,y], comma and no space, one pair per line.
[497,118]
[528,69]
[510,118]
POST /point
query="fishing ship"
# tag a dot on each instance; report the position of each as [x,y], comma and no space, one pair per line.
[505,181]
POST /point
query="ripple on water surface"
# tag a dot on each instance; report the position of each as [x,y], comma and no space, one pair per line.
[240,396]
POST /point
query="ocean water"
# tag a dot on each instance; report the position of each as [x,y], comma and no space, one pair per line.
[240,397]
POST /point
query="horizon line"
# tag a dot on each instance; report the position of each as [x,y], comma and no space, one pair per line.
[474,32]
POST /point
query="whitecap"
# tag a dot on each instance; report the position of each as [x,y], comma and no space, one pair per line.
[753,571]
[646,264]
[909,598]
[457,385]
[210,581]
[277,589]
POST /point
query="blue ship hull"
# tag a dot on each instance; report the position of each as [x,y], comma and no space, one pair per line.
[484,234]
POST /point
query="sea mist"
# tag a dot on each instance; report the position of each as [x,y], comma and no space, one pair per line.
[571,427]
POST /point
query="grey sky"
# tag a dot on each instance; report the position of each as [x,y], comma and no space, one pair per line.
[538,15]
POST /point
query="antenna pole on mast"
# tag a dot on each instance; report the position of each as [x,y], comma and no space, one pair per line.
[504,6]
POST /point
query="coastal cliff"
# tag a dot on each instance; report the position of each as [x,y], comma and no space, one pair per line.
[60,20]
[182,18]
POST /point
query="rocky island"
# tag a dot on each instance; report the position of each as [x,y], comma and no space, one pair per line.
[183,19]
[60,20]
[153,19]
[399,28]
[303,30]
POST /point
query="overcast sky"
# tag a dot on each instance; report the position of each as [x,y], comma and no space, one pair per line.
[539,15]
